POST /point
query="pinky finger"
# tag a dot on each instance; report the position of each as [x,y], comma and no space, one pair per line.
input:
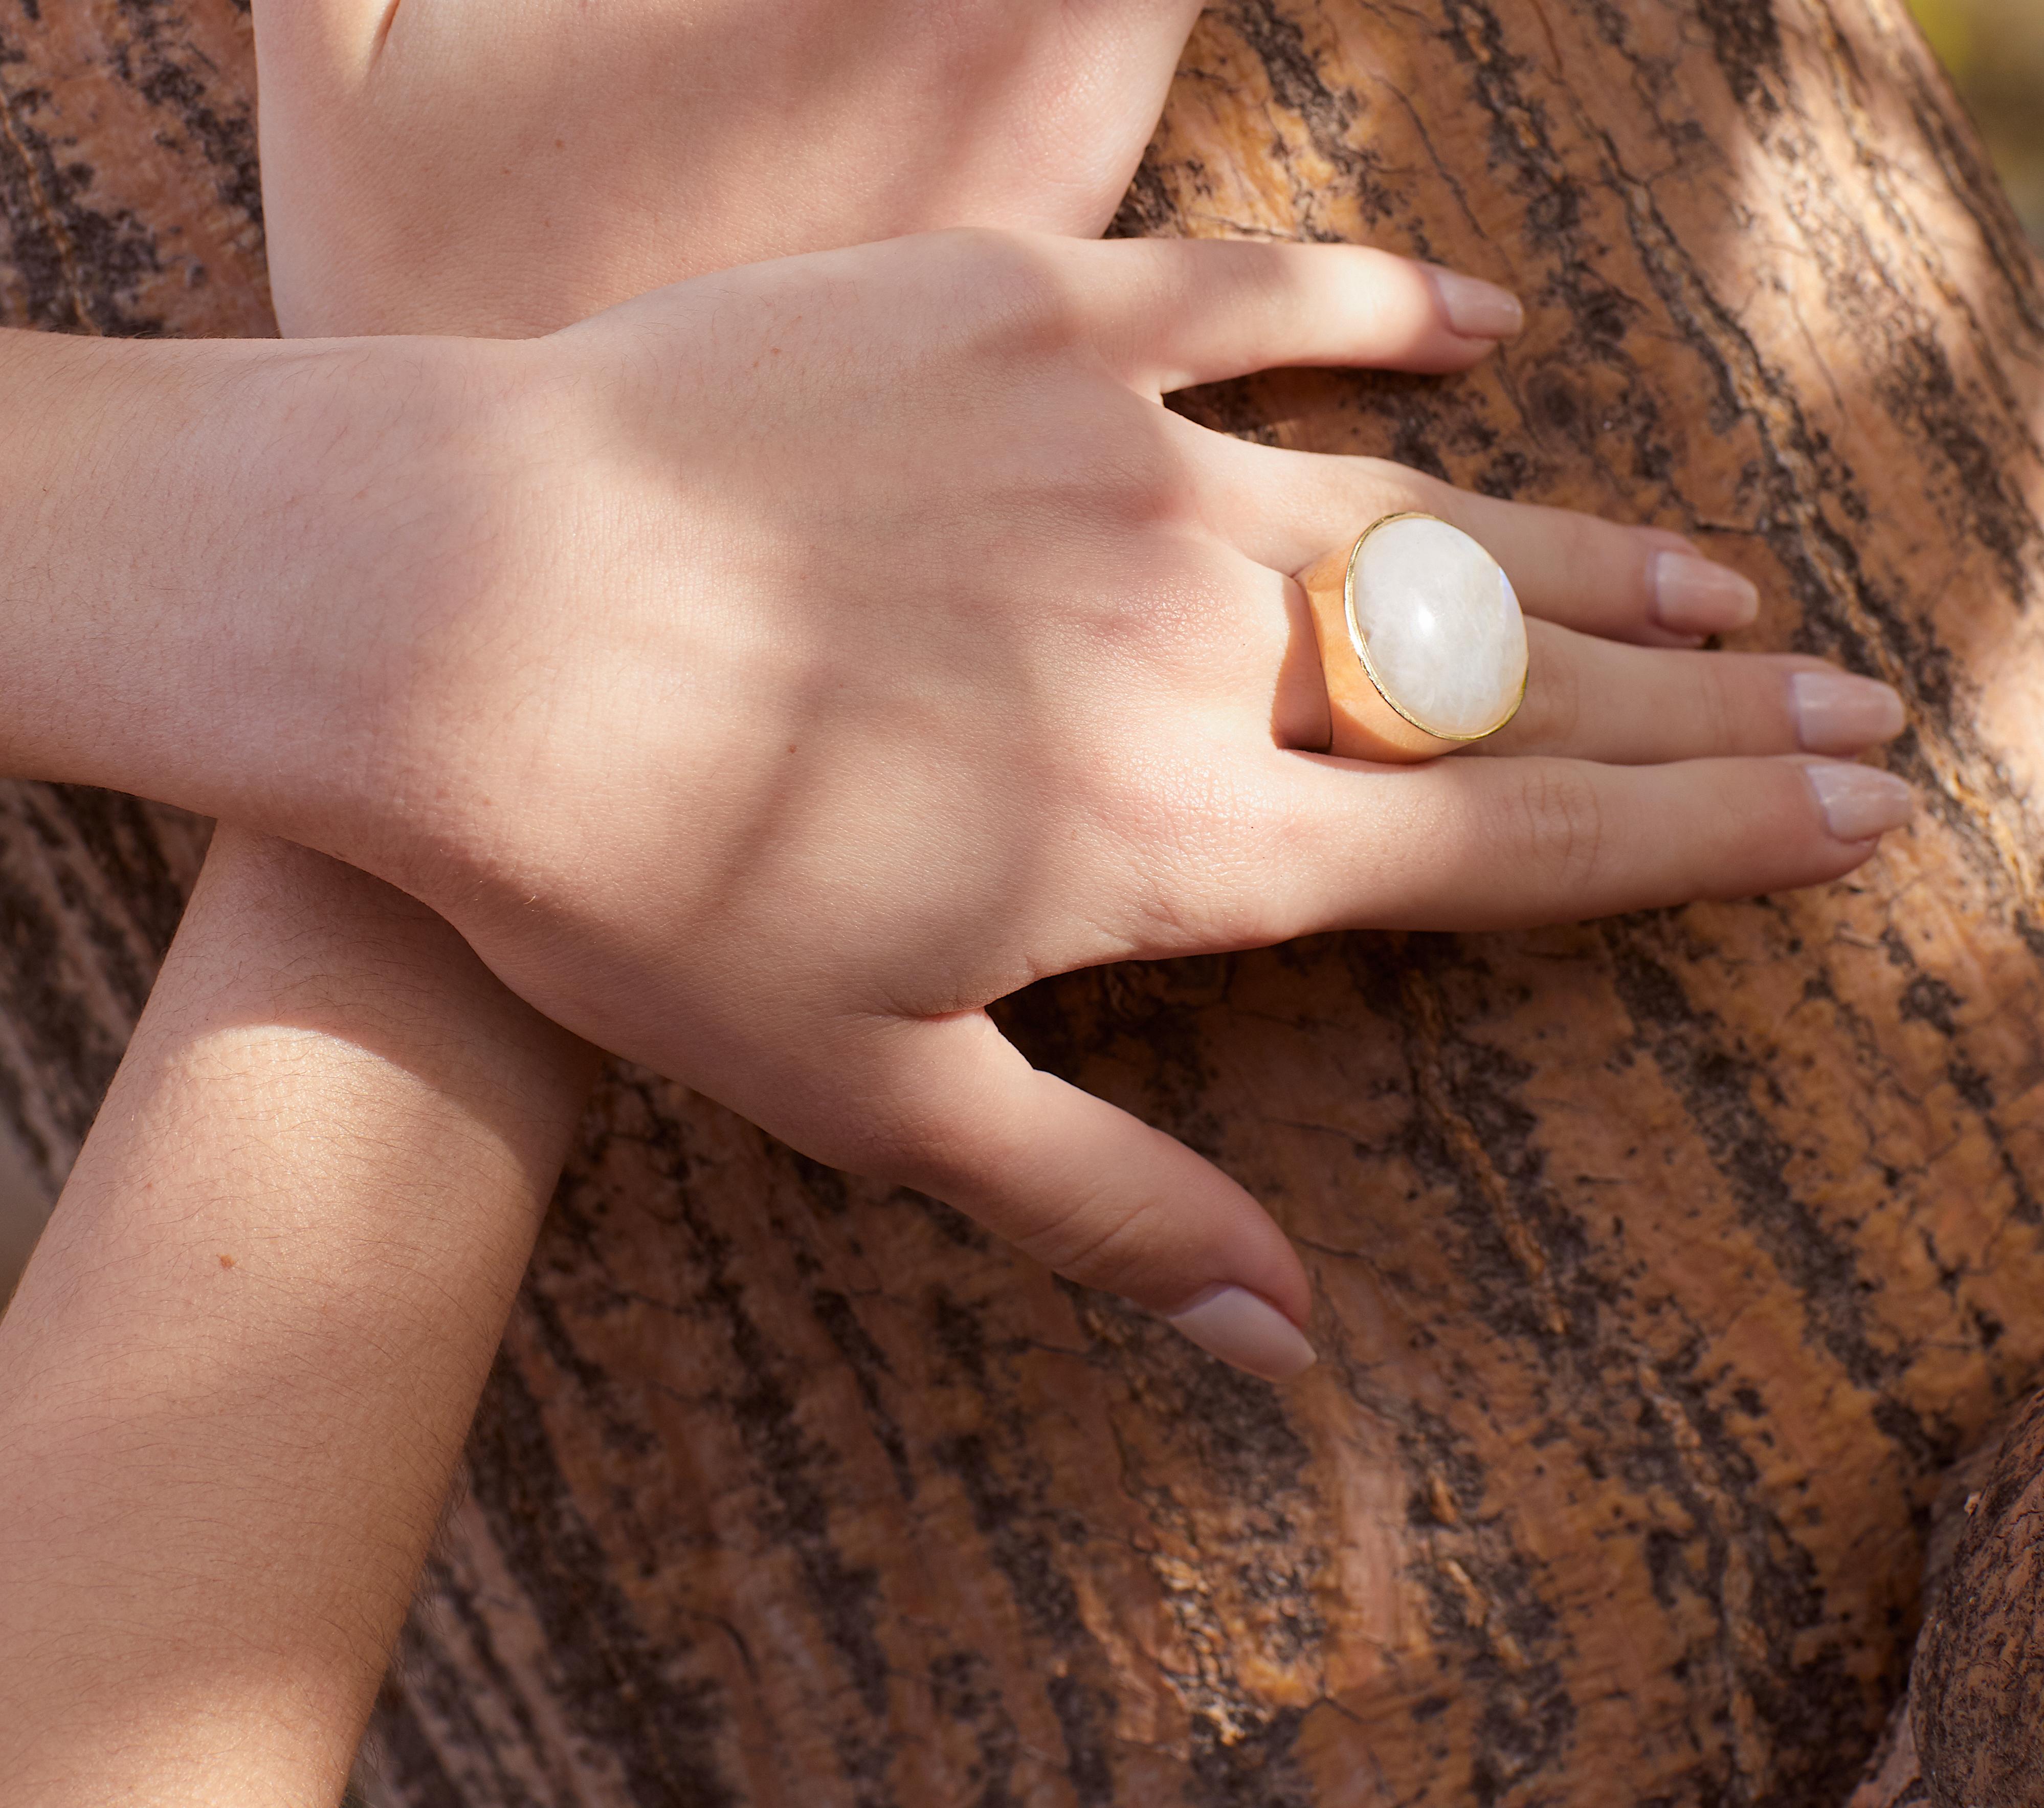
[1500,844]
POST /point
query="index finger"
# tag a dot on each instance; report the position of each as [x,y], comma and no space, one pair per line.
[1168,313]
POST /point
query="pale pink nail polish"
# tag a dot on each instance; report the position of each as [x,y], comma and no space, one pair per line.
[1477,310]
[1689,595]
[1859,802]
[1249,1331]
[1837,712]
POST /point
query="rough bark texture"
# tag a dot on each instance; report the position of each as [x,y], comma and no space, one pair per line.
[1664,1264]
[1977,1684]
[1894,1775]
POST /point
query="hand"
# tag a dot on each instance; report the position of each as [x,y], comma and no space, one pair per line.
[768,674]
[599,159]
[313,1036]
[691,140]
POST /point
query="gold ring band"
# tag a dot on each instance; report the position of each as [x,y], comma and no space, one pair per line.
[1423,647]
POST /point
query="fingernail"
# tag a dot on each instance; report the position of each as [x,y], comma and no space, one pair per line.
[1477,310]
[1695,596]
[1860,801]
[1233,1324]
[1837,712]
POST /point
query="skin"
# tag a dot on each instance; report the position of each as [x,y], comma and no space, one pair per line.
[766,674]
[329,1087]
[665,140]
[243,1360]
[328,1090]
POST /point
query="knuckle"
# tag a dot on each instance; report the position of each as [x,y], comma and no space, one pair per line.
[1554,695]
[1141,481]
[1108,493]
[1400,487]
[1581,543]
[1199,918]
[1375,487]
[889,1134]
[1180,824]
[1077,1235]
[1021,296]
[1720,707]
[1103,1237]
[1558,825]
[1150,624]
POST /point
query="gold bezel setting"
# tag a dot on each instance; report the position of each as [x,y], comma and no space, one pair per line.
[1360,642]
[1365,722]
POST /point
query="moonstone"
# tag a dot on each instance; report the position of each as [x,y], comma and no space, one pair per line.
[1440,627]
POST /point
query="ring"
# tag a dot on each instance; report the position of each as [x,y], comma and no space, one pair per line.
[1422,643]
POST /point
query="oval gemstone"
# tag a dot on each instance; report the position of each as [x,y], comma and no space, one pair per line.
[1438,626]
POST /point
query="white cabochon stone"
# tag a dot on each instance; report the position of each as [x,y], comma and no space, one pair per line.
[1441,626]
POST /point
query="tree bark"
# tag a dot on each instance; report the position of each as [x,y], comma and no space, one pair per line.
[1976,1686]
[1894,1776]
[1664,1264]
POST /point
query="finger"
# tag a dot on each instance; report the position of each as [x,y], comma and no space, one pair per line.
[1500,844]
[1085,1188]
[1592,699]
[1285,508]
[1170,312]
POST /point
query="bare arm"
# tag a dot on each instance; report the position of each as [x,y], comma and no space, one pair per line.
[241,1363]
[151,509]
[228,1501]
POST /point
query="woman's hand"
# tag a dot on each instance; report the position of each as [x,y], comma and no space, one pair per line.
[769,673]
[597,158]
[678,137]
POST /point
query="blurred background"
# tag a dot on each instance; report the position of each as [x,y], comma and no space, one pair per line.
[24,1205]
[1995,50]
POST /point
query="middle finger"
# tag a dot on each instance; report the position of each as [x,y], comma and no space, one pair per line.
[1285,508]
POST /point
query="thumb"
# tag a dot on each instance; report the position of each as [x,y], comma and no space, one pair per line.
[1090,1191]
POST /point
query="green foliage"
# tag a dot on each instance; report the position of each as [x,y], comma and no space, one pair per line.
[1995,51]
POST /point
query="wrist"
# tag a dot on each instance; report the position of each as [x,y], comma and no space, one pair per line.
[117,500]
[199,545]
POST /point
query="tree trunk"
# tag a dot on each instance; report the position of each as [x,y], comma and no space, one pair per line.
[1977,1683]
[1664,1264]
[1894,1776]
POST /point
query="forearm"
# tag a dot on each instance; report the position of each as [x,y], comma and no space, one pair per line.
[242,1362]
[122,464]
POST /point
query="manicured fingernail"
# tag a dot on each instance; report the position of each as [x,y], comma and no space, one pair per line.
[1233,1324]
[1859,801]
[1837,712]
[1477,310]
[1694,596]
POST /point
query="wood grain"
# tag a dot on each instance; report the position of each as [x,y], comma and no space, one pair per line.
[1664,1264]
